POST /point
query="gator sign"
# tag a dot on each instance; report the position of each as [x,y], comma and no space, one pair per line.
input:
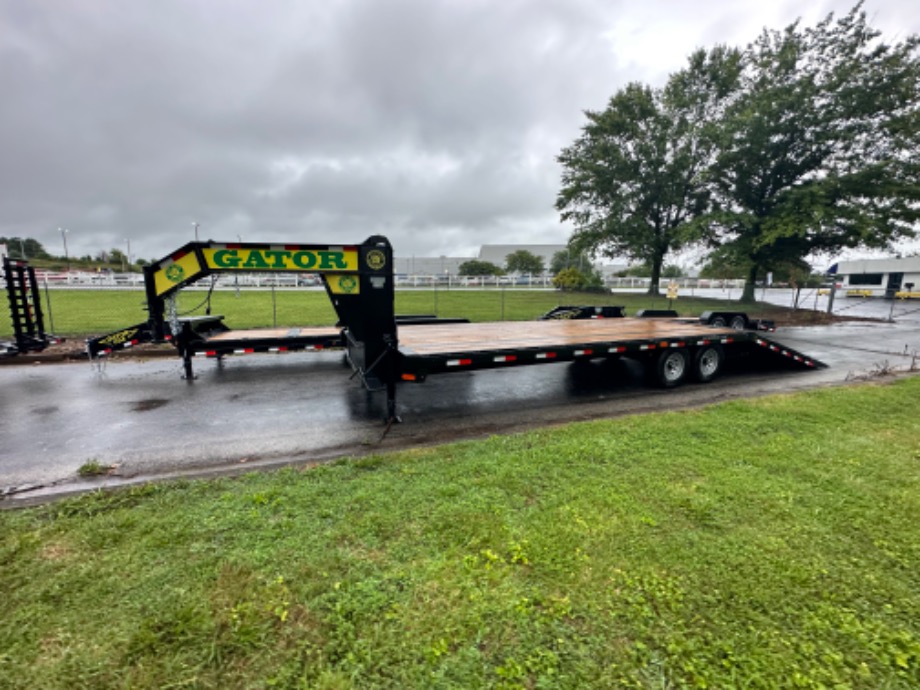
[222,258]
[318,260]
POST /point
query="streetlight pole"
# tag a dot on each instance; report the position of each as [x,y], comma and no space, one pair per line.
[64,232]
[127,256]
[196,230]
[22,248]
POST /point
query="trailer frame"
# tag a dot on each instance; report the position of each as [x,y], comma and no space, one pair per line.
[384,349]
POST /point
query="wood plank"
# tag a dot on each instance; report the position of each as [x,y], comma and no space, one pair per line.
[458,338]
[275,333]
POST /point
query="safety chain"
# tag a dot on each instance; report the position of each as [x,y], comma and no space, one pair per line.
[172,315]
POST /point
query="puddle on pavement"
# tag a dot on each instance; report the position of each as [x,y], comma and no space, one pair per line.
[150,404]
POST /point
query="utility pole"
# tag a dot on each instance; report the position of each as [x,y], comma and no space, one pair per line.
[64,232]
[196,230]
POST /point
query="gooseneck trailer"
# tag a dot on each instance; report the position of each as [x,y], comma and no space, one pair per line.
[384,349]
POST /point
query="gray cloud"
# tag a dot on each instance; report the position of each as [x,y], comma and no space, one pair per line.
[434,122]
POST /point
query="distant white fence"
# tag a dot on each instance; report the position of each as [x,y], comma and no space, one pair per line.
[83,279]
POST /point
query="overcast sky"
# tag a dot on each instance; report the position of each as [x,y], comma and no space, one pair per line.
[434,122]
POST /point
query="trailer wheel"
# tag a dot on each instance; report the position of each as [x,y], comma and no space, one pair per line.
[707,363]
[671,368]
[739,322]
[718,322]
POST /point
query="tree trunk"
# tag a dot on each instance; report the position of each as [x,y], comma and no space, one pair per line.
[656,276]
[747,296]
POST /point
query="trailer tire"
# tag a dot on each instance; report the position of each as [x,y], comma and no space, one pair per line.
[707,363]
[739,322]
[671,367]
[718,322]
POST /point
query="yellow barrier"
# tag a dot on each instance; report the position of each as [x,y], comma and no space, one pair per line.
[859,293]
[903,294]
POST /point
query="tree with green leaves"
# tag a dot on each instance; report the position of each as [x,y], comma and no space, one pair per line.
[568,258]
[818,148]
[523,261]
[24,248]
[572,279]
[634,178]
[644,270]
[475,267]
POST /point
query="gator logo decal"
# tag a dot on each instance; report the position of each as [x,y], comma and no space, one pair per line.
[348,284]
[376,259]
[175,273]
[118,338]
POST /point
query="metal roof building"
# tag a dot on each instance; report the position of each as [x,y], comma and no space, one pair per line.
[879,277]
[498,253]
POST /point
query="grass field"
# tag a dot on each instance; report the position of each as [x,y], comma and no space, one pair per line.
[84,312]
[772,543]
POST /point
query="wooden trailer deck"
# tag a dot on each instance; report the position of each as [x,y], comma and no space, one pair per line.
[462,338]
[279,334]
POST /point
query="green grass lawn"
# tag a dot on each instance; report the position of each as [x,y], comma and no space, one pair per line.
[772,543]
[76,313]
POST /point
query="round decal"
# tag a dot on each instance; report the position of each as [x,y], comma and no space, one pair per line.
[376,259]
[348,284]
[175,273]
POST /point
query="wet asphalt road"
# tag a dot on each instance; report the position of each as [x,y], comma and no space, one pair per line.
[265,410]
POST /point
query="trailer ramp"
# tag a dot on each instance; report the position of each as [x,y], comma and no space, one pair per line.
[779,352]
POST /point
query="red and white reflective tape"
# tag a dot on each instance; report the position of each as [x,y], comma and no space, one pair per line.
[678,344]
[459,362]
[546,355]
[582,353]
[647,347]
[702,342]
[505,358]
[244,351]
[281,348]
[616,349]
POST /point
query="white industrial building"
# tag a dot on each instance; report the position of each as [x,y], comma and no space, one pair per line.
[498,253]
[879,277]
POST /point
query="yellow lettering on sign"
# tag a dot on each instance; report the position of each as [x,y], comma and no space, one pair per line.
[313,260]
